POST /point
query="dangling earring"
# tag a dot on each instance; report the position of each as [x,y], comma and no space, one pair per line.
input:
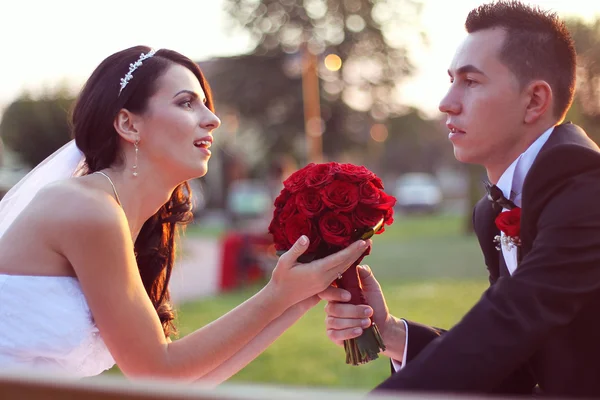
[135,144]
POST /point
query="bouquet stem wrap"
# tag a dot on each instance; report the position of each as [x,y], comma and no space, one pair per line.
[367,346]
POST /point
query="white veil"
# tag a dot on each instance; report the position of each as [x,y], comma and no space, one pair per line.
[63,163]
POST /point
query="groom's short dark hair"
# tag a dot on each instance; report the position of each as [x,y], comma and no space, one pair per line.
[537,46]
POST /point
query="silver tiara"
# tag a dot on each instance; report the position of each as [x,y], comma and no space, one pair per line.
[132,67]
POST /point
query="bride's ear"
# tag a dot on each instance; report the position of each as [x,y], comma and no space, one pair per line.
[125,125]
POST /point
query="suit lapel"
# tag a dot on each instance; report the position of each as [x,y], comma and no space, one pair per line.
[484,215]
[486,230]
[563,134]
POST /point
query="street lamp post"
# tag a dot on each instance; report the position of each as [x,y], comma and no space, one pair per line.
[313,125]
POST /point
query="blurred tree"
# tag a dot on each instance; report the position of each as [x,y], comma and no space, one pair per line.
[35,128]
[361,46]
[476,174]
[256,94]
[416,144]
[586,107]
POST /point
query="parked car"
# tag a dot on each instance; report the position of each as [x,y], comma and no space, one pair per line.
[418,192]
[9,177]
[248,199]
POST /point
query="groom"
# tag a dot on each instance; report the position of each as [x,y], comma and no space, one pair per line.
[537,327]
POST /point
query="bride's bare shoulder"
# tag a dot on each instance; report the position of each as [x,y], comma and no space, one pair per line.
[76,200]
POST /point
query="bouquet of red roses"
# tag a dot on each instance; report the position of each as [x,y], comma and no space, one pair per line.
[334,205]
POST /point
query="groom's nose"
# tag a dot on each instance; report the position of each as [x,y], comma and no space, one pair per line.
[449,103]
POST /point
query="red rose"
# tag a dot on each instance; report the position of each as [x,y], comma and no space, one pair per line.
[385,201]
[288,209]
[340,196]
[377,182]
[330,203]
[336,229]
[509,222]
[389,216]
[354,173]
[387,220]
[297,180]
[368,193]
[321,174]
[309,202]
[299,225]
[281,200]
[279,238]
[366,217]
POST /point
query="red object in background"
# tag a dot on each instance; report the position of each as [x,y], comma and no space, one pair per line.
[240,259]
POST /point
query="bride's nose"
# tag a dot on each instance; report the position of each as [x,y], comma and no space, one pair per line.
[210,121]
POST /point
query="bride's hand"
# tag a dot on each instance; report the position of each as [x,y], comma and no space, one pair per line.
[292,281]
[308,303]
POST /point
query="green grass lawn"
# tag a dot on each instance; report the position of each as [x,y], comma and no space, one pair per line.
[303,356]
[199,230]
[429,271]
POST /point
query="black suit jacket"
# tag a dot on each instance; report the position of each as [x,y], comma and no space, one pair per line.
[540,327]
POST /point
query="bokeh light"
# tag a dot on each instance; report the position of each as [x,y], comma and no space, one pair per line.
[379,132]
[333,62]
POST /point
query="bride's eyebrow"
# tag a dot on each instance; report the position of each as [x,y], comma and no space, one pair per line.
[190,92]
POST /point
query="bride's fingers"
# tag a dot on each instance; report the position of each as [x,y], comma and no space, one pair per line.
[340,261]
[291,256]
[335,294]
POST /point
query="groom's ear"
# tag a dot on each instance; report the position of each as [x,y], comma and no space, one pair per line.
[539,100]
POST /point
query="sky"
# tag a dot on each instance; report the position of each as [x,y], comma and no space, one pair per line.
[52,43]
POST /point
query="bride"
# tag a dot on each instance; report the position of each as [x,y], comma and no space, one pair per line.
[88,238]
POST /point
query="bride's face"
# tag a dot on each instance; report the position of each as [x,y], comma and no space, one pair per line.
[176,128]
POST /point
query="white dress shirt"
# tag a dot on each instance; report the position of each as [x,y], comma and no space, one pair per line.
[511,184]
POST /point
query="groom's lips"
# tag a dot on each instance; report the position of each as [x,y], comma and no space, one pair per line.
[454,131]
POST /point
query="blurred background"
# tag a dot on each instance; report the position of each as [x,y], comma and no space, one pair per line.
[294,81]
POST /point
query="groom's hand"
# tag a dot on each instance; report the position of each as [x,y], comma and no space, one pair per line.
[347,321]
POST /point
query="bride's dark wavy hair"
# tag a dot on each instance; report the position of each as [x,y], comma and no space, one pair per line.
[92,122]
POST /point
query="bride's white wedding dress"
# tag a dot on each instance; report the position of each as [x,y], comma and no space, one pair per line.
[45,322]
[46,326]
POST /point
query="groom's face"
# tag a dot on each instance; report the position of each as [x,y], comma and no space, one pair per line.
[484,105]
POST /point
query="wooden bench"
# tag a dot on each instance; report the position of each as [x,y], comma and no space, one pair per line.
[43,387]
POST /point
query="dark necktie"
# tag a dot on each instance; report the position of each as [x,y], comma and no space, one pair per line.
[497,198]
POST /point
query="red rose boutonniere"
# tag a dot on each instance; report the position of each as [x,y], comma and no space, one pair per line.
[509,222]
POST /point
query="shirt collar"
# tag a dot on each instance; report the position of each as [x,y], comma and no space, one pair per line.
[511,181]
